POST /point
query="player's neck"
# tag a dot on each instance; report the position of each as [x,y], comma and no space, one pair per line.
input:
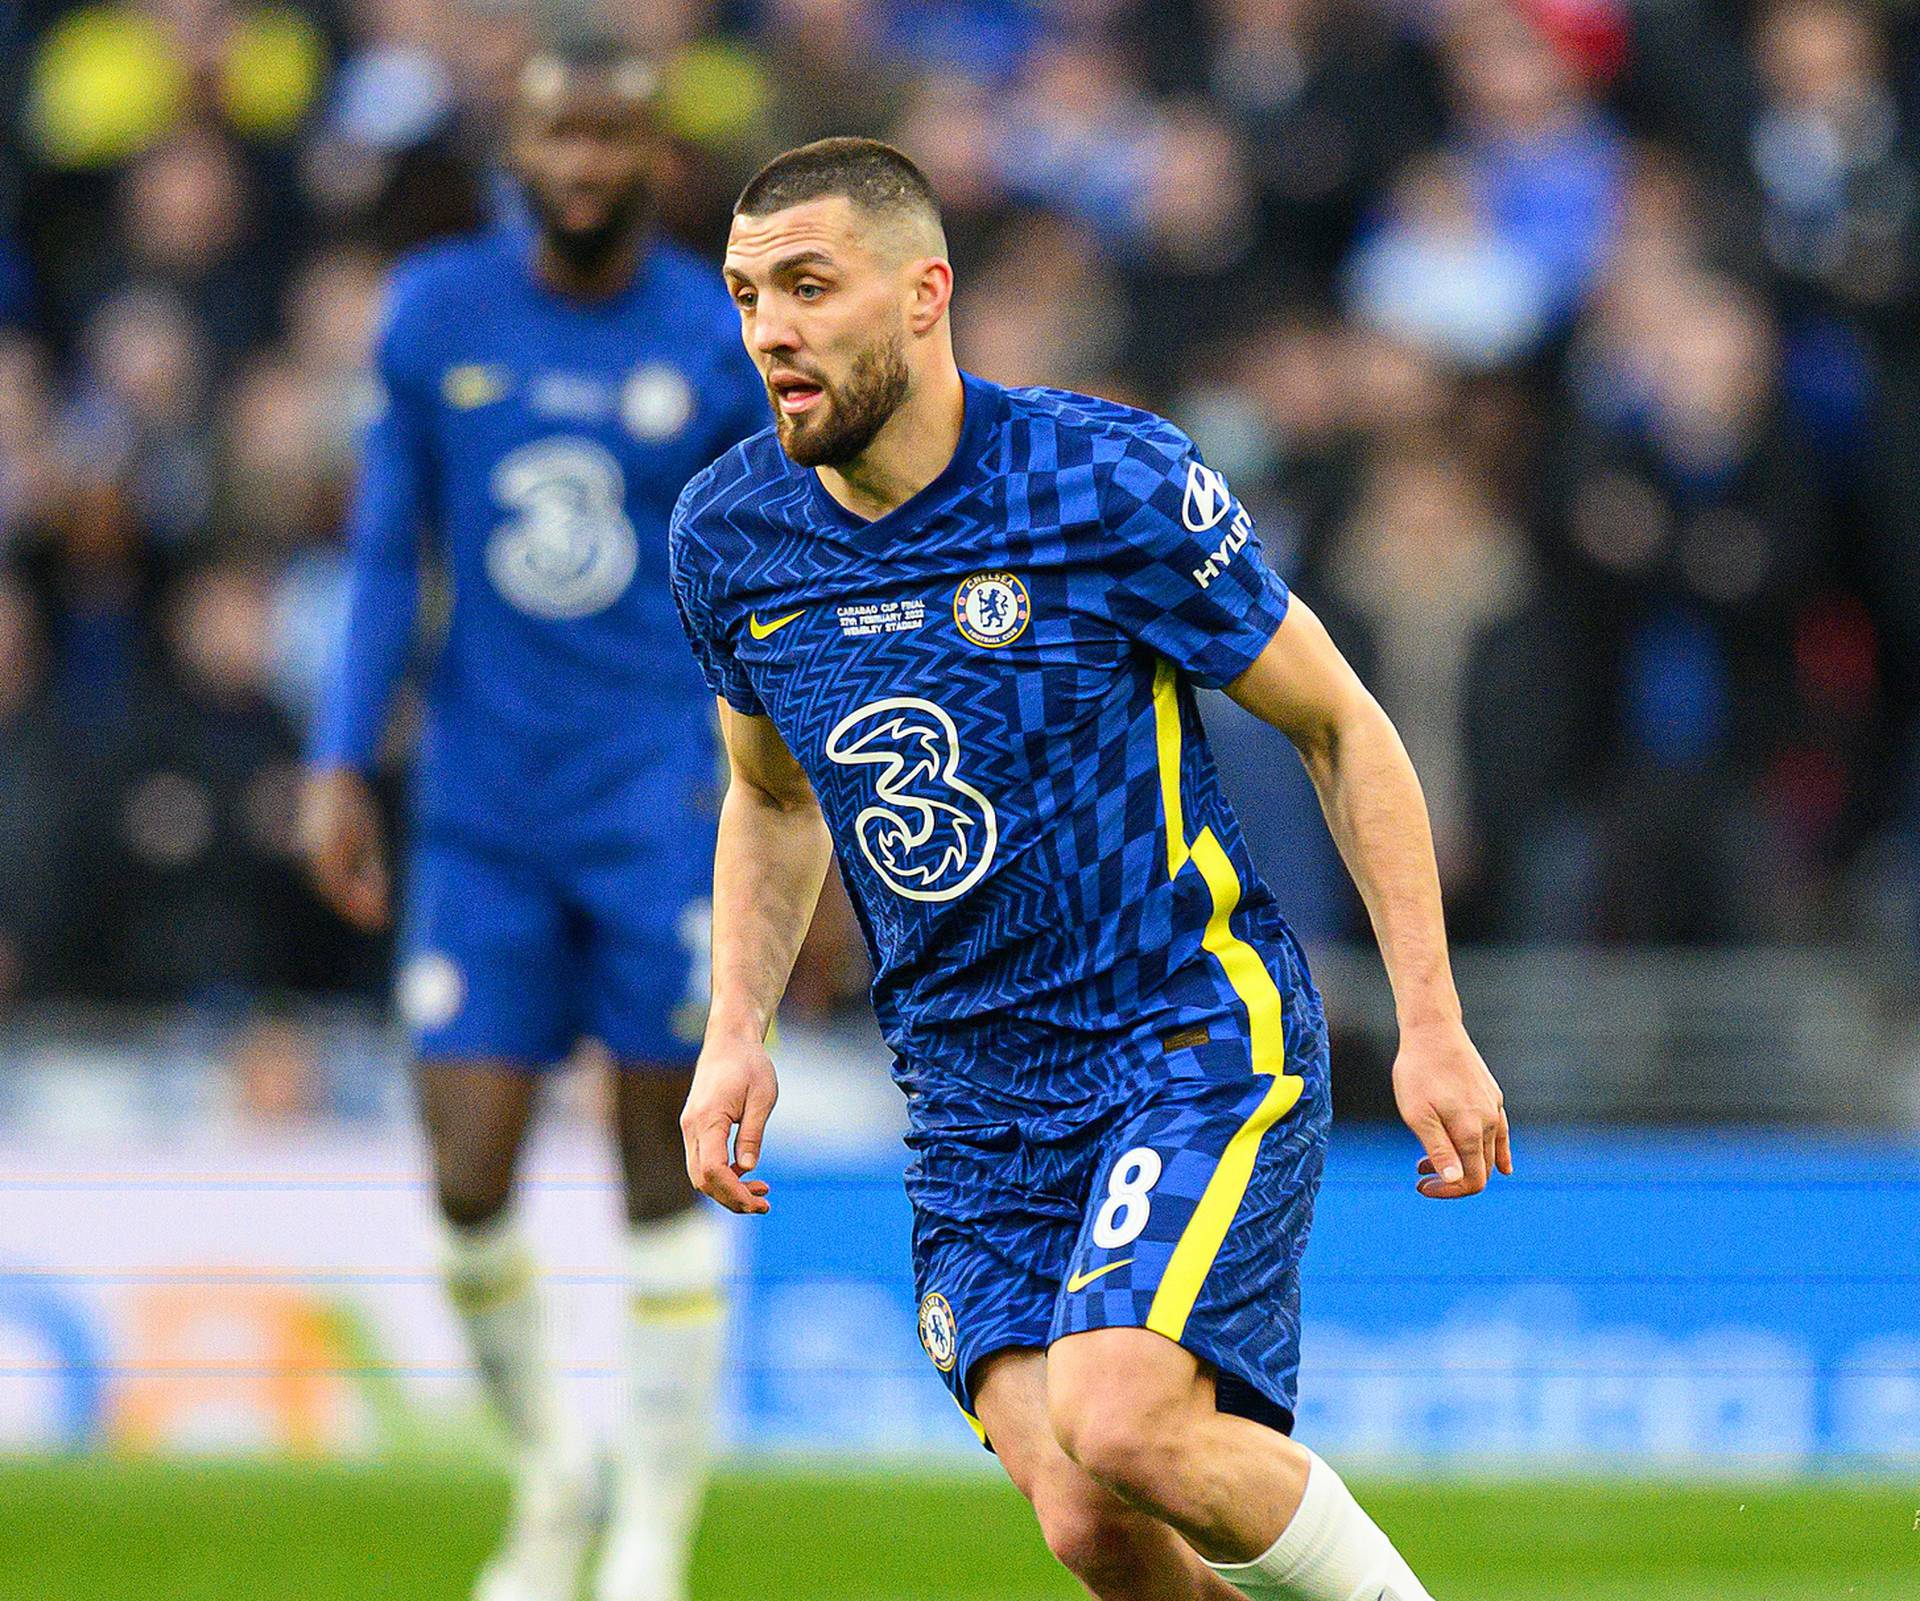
[907,454]
[597,280]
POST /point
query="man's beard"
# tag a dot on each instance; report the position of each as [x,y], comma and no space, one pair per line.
[856,409]
[587,250]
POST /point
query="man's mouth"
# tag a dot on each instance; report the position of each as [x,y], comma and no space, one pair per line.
[793,394]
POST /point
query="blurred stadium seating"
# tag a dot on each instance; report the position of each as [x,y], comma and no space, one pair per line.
[1566,352]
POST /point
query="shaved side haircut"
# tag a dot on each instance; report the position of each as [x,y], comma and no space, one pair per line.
[881,181]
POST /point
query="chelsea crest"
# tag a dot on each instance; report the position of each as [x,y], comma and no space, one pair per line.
[937,1332]
[991,609]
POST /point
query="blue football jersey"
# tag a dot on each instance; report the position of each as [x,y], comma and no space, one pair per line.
[538,442]
[991,689]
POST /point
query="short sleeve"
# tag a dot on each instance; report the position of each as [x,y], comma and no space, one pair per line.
[690,560]
[1190,581]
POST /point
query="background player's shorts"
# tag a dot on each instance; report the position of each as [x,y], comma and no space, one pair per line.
[1186,1213]
[514,957]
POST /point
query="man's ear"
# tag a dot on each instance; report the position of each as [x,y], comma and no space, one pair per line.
[932,293]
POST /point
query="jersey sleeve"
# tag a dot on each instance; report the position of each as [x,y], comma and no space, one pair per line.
[391,501]
[1190,581]
[690,560]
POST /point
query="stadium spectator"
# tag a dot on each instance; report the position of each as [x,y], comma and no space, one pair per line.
[1607,312]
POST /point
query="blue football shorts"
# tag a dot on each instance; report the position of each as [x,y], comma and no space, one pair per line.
[1186,1212]
[514,957]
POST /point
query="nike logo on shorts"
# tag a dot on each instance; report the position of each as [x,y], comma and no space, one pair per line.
[1081,1280]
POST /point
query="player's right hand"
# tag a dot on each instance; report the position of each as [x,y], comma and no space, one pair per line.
[733,1087]
[340,834]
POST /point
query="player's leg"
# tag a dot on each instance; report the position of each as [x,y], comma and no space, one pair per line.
[643,963]
[476,1116]
[1118,1552]
[675,1338]
[1140,1415]
[1176,1339]
[482,987]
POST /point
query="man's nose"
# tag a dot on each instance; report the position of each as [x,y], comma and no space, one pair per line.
[773,330]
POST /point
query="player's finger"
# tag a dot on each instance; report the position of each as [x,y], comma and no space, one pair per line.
[753,1129]
[716,1176]
[1503,1144]
[1445,1169]
[706,1135]
[1466,1130]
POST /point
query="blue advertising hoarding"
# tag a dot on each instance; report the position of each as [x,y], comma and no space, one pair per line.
[1671,1302]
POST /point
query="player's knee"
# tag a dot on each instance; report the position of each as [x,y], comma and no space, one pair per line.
[1088,1533]
[469,1205]
[1123,1442]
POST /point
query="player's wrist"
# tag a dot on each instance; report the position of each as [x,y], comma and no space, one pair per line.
[736,1027]
[1430,1017]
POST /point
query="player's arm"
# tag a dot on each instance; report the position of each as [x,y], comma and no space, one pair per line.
[770,860]
[1304,687]
[339,817]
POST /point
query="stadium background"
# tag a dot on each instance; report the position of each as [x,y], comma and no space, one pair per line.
[1566,352]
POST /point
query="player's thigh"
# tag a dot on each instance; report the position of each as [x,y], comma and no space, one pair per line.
[1195,1222]
[1010,1389]
[483,973]
[992,1227]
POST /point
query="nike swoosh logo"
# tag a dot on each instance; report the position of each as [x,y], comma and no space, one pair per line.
[1081,1280]
[761,630]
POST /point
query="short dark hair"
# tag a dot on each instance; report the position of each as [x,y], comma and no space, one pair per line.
[874,176]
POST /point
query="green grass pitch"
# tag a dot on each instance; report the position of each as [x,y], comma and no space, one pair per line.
[93,1529]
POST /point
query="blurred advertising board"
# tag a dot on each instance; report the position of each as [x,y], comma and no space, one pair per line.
[1630,1301]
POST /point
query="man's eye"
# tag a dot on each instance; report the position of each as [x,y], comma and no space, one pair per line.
[810,291]
[744,299]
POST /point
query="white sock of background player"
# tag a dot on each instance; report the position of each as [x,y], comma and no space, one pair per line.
[1330,1551]
[493,1285]
[675,1328]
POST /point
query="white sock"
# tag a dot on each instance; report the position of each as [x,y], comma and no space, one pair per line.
[676,1324]
[1331,1551]
[493,1285]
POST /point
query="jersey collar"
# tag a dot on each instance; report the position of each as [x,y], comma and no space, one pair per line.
[981,409]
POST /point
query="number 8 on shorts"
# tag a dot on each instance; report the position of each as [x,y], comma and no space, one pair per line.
[1126,1209]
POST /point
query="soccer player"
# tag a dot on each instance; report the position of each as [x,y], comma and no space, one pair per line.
[549,388]
[956,631]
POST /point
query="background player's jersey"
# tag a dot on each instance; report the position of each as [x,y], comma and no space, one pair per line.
[990,689]
[540,441]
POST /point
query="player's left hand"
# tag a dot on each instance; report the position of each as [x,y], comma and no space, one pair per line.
[1452,1103]
[734,1088]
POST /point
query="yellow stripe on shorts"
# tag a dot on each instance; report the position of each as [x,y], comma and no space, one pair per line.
[1206,1230]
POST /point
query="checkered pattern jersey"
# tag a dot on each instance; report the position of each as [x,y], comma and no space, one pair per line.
[991,689]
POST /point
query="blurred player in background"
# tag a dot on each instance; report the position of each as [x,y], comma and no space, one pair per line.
[548,389]
[955,629]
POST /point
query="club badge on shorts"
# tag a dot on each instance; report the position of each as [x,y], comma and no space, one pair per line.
[991,609]
[937,1332]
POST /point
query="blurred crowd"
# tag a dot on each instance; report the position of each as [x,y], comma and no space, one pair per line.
[1566,353]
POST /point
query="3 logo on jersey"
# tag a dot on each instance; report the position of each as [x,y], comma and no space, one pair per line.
[928,833]
[570,550]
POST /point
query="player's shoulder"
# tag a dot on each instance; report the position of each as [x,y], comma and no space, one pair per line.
[715,493]
[433,277]
[1087,428]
